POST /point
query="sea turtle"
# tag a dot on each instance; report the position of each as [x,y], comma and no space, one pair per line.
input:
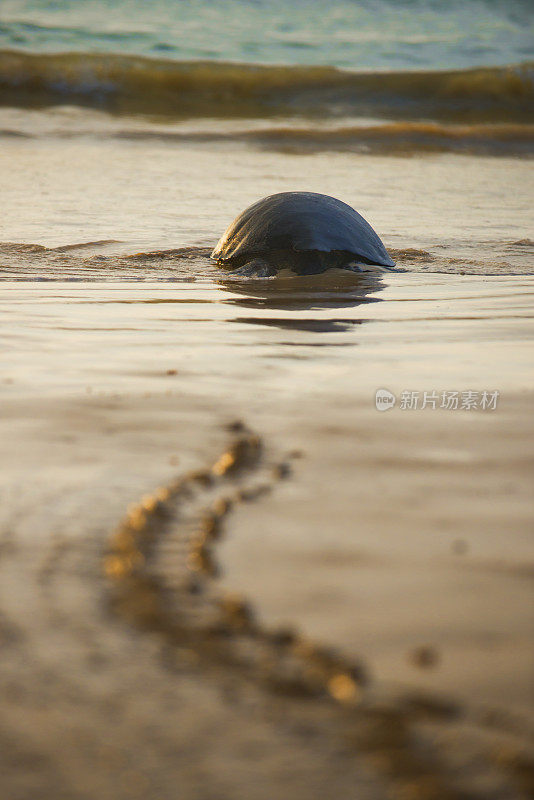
[303,232]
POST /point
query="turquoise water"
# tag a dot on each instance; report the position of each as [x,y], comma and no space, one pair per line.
[382,34]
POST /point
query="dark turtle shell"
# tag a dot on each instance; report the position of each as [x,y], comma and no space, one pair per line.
[300,221]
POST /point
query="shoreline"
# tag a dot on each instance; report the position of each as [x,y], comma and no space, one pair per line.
[400,539]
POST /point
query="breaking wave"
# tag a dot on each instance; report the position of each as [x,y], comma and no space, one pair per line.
[398,138]
[124,84]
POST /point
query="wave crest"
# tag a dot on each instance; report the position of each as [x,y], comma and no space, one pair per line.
[177,89]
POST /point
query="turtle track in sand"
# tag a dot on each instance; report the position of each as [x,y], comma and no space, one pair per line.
[162,571]
[161,565]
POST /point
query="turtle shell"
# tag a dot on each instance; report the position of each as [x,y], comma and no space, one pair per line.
[300,221]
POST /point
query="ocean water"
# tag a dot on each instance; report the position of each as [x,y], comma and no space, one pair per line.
[371,34]
[150,127]
[410,77]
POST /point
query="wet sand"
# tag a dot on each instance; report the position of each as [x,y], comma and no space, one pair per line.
[224,573]
[399,538]
[141,653]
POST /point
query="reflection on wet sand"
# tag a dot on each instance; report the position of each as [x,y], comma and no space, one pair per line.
[328,291]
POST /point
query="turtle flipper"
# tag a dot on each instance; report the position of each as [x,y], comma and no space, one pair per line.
[257,268]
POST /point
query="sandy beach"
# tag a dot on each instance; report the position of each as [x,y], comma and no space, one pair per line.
[398,538]
[228,570]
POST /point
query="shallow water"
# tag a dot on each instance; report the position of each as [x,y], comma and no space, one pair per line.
[353,332]
[147,196]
